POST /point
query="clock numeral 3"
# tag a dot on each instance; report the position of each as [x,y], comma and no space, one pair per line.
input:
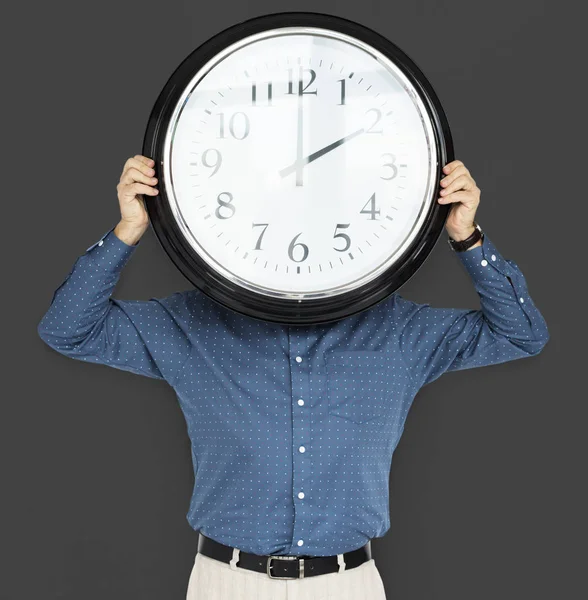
[225,204]
[392,165]
[245,128]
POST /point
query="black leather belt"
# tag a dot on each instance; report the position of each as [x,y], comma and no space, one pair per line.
[279,566]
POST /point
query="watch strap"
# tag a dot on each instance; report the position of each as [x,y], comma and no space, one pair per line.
[462,245]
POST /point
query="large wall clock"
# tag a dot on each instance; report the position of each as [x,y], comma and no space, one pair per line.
[299,157]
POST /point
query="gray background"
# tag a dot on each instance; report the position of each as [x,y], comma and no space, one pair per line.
[488,484]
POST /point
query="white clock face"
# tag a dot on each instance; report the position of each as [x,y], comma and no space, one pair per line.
[300,163]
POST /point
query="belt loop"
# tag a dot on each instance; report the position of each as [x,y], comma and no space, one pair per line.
[341,563]
[233,562]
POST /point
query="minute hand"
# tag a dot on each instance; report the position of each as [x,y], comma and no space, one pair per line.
[308,159]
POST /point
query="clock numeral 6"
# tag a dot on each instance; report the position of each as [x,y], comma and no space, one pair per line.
[293,245]
[225,204]
[246,126]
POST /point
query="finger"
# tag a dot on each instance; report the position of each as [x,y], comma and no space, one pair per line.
[461,170]
[137,164]
[145,159]
[466,197]
[133,174]
[132,189]
[449,167]
[463,182]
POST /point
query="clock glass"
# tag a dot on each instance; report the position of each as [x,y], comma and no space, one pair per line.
[300,163]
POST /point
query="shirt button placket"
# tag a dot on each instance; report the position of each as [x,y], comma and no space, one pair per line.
[300,441]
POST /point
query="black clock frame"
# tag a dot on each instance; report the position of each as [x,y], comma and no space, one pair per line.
[246,302]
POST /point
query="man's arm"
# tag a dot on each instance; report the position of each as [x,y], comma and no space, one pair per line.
[84,322]
[508,325]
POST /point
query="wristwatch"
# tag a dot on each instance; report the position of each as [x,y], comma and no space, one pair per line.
[460,246]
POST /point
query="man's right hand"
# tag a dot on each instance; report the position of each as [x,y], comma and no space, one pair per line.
[138,178]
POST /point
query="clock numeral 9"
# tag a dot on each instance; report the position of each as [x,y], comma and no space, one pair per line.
[245,131]
[223,204]
[217,162]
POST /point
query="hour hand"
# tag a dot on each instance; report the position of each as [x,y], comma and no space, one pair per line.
[311,157]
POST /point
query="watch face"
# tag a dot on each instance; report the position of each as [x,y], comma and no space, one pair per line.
[299,159]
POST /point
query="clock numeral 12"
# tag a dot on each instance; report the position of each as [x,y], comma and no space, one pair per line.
[301,90]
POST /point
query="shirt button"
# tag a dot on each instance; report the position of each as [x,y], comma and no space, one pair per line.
[301,449]
[100,242]
[494,257]
[522,299]
[301,402]
[300,542]
[301,494]
[484,263]
[298,359]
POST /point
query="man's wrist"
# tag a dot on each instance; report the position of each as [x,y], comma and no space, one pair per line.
[128,233]
[459,236]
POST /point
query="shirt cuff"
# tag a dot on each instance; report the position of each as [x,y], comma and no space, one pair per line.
[110,251]
[485,262]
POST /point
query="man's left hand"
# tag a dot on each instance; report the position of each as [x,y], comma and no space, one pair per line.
[459,187]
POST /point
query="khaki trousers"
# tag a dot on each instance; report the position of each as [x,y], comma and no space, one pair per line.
[212,579]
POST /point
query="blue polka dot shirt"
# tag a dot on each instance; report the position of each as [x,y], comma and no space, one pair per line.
[292,428]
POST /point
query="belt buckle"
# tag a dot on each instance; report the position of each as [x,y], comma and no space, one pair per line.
[278,557]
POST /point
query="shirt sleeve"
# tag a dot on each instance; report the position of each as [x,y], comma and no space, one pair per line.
[508,325]
[84,322]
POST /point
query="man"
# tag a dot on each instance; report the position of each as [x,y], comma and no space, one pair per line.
[292,428]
